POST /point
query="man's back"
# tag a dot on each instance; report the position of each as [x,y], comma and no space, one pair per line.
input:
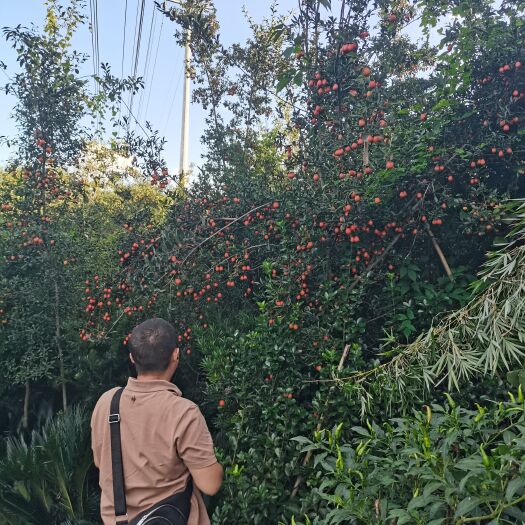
[163,436]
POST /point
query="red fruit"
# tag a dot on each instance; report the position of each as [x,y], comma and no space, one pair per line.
[363,34]
[423,116]
[372,84]
[335,87]
[291,175]
[366,71]
[361,122]
[275,205]
[377,200]
[517,65]
[221,402]
[392,17]
[389,164]
[316,177]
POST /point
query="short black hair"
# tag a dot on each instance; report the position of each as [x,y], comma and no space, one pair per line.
[151,344]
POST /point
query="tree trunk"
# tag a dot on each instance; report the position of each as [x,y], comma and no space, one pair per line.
[58,337]
[25,417]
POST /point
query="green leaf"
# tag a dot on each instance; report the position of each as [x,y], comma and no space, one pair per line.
[466,506]
[515,485]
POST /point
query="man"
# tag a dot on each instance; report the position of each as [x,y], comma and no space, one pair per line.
[164,436]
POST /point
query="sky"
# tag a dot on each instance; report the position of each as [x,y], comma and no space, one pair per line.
[162,100]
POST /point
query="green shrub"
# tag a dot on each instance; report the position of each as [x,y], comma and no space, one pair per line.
[441,465]
[44,480]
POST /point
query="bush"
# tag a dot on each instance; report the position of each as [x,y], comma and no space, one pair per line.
[441,465]
[45,480]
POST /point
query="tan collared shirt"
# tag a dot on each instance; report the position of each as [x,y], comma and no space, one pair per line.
[162,435]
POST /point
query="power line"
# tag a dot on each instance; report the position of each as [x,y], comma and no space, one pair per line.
[147,59]
[173,100]
[96,36]
[139,38]
[93,55]
[152,82]
[95,48]
[123,53]
[124,41]
[139,22]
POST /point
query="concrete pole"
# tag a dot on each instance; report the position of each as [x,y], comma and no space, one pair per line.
[185,131]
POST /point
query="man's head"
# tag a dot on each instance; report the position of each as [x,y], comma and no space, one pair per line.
[153,347]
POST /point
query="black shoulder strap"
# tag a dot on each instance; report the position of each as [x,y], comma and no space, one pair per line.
[119,491]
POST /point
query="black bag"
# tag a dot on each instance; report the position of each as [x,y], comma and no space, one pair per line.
[174,510]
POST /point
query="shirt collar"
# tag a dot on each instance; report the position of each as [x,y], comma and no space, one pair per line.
[155,385]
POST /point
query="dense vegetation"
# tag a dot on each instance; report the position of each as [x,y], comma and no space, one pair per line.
[327,271]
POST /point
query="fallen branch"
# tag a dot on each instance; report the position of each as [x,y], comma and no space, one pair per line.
[439,251]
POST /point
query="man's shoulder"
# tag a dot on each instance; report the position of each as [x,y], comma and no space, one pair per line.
[182,403]
[105,398]
[104,401]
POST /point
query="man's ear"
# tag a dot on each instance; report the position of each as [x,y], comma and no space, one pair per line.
[175,356]
[131,359]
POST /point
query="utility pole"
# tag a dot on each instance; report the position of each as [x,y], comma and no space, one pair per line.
[185,129]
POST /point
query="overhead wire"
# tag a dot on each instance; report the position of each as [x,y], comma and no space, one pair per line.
[97,51]
[152,82]
[136,47]
[124,41]
[147,60]
[182,70]
[123,52]
[139,38]
[92,31]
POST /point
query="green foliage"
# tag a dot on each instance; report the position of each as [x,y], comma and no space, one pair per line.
[351,184]
[44,480]
[482,338]
[51,98]
[441,465]
[415,301]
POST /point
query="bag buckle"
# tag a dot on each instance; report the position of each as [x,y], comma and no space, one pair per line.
[114,418]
